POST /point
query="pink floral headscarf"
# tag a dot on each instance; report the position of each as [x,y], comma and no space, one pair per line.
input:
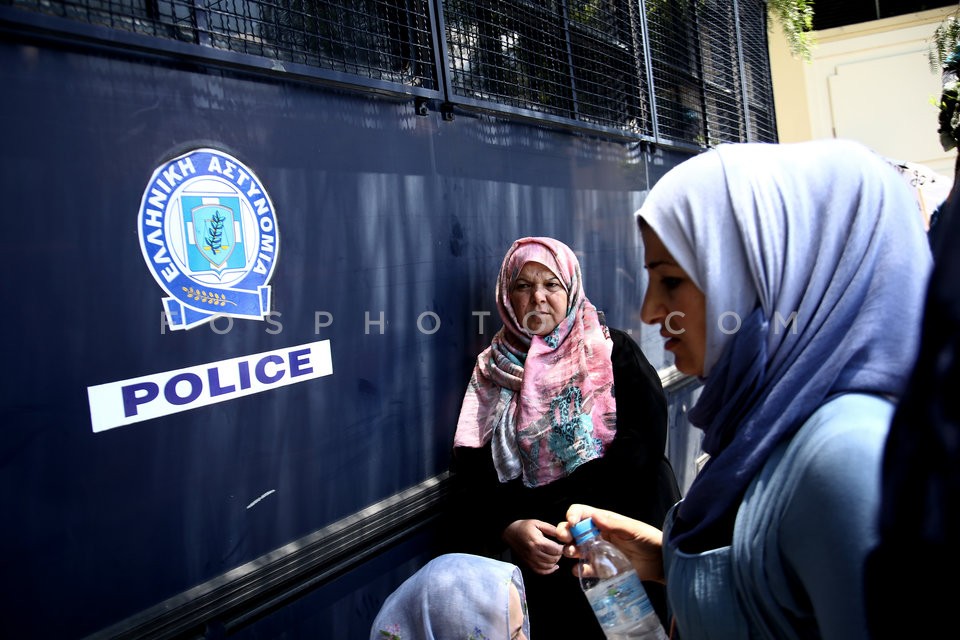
[548,406]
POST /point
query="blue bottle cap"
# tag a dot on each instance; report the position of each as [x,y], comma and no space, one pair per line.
[583,531]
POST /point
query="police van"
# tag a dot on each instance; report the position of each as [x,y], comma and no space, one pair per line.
[252,250]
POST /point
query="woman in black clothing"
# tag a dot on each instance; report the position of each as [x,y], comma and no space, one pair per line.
[559,409]
[919,522]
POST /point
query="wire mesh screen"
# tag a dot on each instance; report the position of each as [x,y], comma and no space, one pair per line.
[723,95]
[608,64]
[386,40]
[761,122]
[701,67]
[164,18]
[581,59]
[675,53]
[702,64]
[381,39]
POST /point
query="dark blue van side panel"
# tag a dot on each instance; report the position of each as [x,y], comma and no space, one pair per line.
[391,230]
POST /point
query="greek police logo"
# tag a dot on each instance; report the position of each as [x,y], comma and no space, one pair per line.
[208,232]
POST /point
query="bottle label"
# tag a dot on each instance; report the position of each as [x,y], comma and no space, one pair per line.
[619,600]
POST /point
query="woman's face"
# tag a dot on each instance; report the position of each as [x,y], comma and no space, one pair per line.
[516,614]
[675,303]
[538,298]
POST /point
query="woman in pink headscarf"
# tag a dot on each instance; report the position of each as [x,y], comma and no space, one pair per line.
[559,408]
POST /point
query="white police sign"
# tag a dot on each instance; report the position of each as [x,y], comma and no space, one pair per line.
[115,404]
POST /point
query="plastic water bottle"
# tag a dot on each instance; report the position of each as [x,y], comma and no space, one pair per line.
[614,591]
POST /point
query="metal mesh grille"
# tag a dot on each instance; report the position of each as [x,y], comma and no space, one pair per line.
[607,58]
[580,59]
[514,55]
[164,18]
[672,28]
[761,120]
[584,61]
[700,70]
[721,73]
[381,39]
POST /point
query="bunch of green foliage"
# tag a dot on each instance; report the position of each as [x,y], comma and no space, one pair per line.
[944,56]
[796,21]
[944,42]
[949,118]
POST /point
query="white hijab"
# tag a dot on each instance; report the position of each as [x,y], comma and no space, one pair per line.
[455,596]
[818,248]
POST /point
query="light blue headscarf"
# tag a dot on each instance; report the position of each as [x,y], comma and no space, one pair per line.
[455,596]
[818,250]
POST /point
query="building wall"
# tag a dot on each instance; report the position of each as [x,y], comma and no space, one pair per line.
[869,82]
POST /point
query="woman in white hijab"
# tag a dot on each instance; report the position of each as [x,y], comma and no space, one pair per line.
[790,279]
[456,596]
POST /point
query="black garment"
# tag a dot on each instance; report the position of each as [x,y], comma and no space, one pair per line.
[938,222]
[633,478]
[911,576]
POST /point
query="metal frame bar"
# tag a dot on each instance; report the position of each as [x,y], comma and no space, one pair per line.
[742,69]
[265,584]
[648,64]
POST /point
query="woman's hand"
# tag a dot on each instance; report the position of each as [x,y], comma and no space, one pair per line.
[640,542]
[530,543]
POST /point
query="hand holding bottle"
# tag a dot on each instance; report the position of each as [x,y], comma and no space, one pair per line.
[639,541]
[613,589]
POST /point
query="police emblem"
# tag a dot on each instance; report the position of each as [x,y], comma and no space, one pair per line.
[208,233]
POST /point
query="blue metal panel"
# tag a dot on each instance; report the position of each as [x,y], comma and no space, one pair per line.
[379,211]
[345,608]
